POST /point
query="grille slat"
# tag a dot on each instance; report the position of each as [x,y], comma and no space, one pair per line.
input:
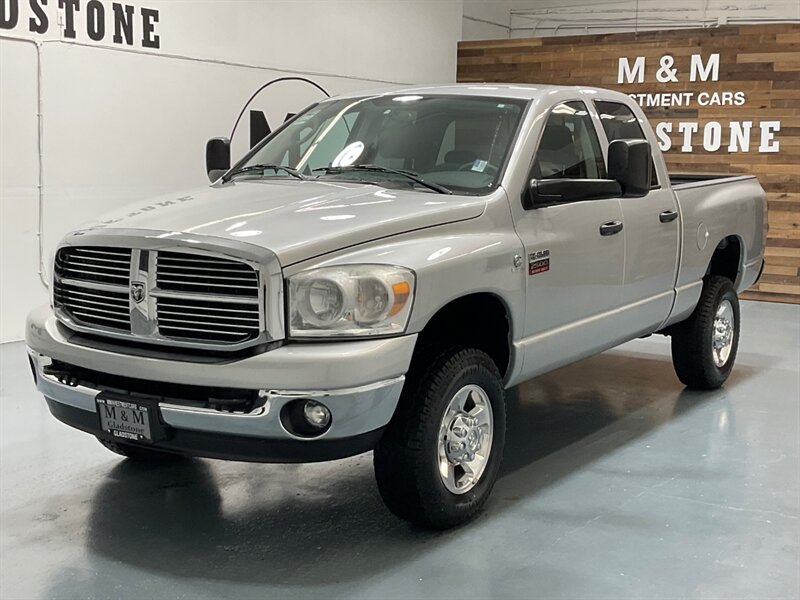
[76,263]
[243,324]
[96,275]
[78,301]
[205,265]
[120,252]
[96,313]
[192,267]
[107,297]
[197,298]
[180,258]
[218,298]
[92,317]
[184,277]
[226,329]
[166,308]
[167,315]
[192,332]
[117,266]
[171,283]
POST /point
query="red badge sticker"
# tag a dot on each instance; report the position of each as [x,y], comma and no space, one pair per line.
[539,266]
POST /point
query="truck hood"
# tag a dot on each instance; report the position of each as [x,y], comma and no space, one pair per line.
[296,220]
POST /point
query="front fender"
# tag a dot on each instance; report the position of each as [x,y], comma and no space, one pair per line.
[450,265]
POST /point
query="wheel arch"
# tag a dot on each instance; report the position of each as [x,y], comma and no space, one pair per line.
[489,326]
[728,259]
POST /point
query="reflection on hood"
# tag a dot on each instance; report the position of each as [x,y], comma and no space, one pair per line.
[296,219]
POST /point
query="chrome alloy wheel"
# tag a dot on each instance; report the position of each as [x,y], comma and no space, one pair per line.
[465,439]
[722,341]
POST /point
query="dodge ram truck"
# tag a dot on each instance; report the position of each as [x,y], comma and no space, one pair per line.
[376,273]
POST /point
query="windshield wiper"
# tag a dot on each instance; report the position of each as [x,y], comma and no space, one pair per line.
[379,169]
[266,167]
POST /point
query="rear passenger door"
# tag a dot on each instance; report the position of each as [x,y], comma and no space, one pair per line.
[573,266]
[652,229]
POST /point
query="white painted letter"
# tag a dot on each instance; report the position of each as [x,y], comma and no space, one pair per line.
[634,75]
[712,136]
[740,136]
[768,143]
[687,129]
[703,71]
[662,130]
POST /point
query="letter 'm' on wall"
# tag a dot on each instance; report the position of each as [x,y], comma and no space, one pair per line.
[628,74]
[703,72]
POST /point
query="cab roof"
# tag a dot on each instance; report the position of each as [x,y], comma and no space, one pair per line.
[523,91]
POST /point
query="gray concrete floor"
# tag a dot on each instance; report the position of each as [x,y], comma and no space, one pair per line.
[617,483]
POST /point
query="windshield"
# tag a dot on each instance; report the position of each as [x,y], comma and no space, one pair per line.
[445,143]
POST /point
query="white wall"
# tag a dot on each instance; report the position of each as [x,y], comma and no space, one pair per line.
[19,173]
[486,19]
[542,18]
[121,123]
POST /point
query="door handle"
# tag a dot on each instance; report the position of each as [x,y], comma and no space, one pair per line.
[611,228]
[668,216]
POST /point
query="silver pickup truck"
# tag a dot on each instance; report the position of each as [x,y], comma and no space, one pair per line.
[374,275]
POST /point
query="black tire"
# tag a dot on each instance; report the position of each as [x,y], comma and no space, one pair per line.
[139,453]
[692,340]
[406,458]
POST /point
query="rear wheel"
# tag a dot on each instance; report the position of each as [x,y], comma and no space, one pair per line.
[439,458]
[139,453]
[704,346]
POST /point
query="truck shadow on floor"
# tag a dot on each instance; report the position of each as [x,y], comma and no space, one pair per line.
[311,525]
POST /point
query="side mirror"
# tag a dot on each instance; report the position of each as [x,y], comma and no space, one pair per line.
[630,163]
[218,157]
[546,192]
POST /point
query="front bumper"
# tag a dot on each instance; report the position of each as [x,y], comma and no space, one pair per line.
[360,382]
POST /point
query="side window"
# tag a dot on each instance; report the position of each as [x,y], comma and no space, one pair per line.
[620,123]
[569,148]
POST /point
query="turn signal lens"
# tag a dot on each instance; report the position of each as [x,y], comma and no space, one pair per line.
[402,292]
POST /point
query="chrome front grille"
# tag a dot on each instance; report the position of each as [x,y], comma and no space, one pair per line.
[92,285]
[205,275]
[190,298]
[101,264]
[207,319]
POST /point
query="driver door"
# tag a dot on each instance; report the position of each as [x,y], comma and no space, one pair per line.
[574,250]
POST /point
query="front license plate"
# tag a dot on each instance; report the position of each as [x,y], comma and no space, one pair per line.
[125,420]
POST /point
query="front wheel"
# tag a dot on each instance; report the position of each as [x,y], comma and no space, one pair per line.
[438,460]
[704,346]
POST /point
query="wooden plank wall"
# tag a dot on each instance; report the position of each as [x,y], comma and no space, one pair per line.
[763,61]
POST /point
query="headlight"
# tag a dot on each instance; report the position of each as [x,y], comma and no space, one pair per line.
[350,301]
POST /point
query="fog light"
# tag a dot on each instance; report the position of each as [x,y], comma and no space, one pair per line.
[305,417]
[316,414]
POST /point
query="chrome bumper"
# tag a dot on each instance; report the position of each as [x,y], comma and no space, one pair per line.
[375,369]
